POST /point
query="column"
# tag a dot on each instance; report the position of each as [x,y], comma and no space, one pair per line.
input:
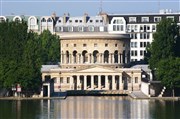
[92,82]
[92,61]
[120,82]
[113,83]
[113,58]
[71,83]
[85,82]
[89,58]
[102,58]
[70,58]
[110,58]
[99,82]
[82,58]
[106,83]
[78,83]
[119,58]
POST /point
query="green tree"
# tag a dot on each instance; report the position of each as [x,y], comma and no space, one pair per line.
[50,47]
[163,54]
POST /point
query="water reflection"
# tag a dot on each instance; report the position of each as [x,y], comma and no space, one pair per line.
[95,107]
[90,107]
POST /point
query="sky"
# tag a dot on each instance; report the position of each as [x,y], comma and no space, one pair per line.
[79,7]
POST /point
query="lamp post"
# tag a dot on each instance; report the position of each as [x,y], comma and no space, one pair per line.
[132,80]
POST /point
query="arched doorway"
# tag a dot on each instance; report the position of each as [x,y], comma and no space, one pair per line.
[116,56]
[74,56]
[85,56]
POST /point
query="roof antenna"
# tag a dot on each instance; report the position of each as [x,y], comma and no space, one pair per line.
[100,11]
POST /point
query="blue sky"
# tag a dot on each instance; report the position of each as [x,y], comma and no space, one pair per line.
[79,7]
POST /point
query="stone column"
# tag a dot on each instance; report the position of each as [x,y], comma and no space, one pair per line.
[61,58]
[71,83]
[102,58]
[106,82]
[119,61]
[92,82]
[99,82]
[113,83]
[110,58]
[121,58]
[85,82]
[70,58]
[92,61]
[120,82]
[89,58]
[99,58]
[78,83]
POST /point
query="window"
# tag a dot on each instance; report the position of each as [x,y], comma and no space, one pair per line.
[91,21]
[61,80]
[81,28]
[101,21]
[116,45]
[84,45]
[70,21]
[133,35]
[136,79]
[144,35]
[145,19]
[80,21]
[74,45]
[66,45]
[49,20]
[95,44]
[154,27]
[68,79]
[157,19]
[142,52]
[2,19]
[106,45]
[59,21]
[55,80]
[70,28]
[133,44]
[97,21]
[133,52]
[132,19]
[118,25]
[91,28]
[170,17]
[76,21]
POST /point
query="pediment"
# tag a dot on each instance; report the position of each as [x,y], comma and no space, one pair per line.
[97,70]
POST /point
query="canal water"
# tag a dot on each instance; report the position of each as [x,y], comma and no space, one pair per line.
[90,107]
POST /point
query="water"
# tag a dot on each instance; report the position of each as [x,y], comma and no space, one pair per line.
[90,108]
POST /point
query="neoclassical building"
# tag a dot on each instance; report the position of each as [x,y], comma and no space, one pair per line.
[92,61]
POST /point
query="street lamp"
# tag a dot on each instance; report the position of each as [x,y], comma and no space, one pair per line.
[132,80]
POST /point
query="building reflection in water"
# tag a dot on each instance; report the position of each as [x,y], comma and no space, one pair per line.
[95,107]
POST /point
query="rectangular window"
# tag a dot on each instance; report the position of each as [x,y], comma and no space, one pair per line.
[84,45]
[74,45]
[61,80]
[170,17]
[141,53]
[145,19]
[76,21]
[157,19]
[66,45]
[136,79]
[132,19]
[95,44]
[68,79]
[106,45]
[115,45]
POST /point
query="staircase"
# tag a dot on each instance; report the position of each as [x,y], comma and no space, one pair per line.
[162,92]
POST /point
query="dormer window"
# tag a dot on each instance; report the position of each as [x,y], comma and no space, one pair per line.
[2,19]
[97,21]
[145,19]
[157,19]
[43,20]
[76,21]
[49,20]
[59,21]
[132,19]
[91,21]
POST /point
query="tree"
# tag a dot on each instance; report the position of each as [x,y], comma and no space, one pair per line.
[163,54]
[50,47]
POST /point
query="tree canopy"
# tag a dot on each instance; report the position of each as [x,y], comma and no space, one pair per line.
[164,52]
[22,53]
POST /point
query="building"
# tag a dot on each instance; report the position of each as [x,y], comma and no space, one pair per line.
[96,49]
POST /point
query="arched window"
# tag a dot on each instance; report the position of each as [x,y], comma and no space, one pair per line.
[17,19]
[75,56]
[95,56]
[106,56]
[116,56]
[32,21]
[49,20]
[67,57]
[85,56]
[43,20]
[2,19]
